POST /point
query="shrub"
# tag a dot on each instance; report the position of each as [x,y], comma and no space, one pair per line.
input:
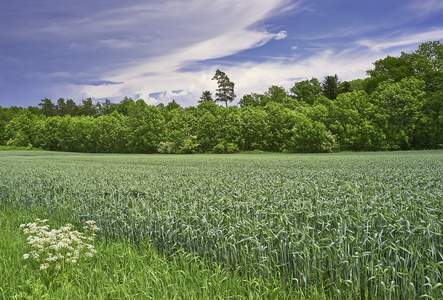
[224,147]
[166,147]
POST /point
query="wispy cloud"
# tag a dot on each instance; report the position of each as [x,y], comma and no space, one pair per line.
[349,63]
[230,30]
[425,7]
[408,39]
[161,50]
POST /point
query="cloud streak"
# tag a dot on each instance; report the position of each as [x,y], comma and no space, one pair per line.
[379,45]
[425,7]
[161,50]
[221,38]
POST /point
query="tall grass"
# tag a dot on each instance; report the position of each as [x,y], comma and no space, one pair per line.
[366,225]
[122,271]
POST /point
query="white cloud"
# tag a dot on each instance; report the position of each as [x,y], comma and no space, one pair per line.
[403,40]
[225,45]
[350,63]
[253,77]
[159,40]
[425,7]
[208,31]
[281,35]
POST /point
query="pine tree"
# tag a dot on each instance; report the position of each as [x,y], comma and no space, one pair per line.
[225,92]
[330,87]
[206,96]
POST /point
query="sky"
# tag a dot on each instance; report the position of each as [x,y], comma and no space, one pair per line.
[164,50]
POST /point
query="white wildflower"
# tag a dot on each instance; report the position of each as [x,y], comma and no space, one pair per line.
[50,247]
[52,258]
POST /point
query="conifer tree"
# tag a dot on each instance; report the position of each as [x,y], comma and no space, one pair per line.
[225,92]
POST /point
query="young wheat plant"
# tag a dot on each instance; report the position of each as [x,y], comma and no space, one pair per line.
[59,250]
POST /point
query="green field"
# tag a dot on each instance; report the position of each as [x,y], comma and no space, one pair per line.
[366,225]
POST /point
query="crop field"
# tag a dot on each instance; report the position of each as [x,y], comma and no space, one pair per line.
[366,225]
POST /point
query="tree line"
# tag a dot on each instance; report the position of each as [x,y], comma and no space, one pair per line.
[397,107]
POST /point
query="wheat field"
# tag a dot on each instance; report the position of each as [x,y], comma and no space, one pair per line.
[365,225]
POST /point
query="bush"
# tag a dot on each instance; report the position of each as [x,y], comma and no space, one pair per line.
[224,147]
[166,147]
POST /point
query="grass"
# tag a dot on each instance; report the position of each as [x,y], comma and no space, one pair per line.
[15,148]
[122,271]
[349,225]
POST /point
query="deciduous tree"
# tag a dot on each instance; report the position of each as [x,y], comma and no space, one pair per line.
[307,90]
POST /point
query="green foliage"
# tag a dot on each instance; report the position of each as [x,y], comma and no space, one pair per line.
[88,108]
[399,106]
[207,131]
[281,120]
[394,68]
[307,90]
[274,94]
[252,99]
[349,123]
[330,87]
[172,105]
[111,133]
[145,128]
[166,147]
[254,128]
[125,105]
[47,108]
[224,147]
[12,148]
[206,96]
[310,136]
[80,133]
[19,131]
[6,115]
[180,143]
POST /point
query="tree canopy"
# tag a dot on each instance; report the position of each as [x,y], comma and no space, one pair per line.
[397,107]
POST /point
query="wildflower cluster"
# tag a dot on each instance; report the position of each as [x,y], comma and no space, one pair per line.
[64,248]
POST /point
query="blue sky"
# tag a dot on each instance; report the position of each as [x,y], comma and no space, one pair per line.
[160,50]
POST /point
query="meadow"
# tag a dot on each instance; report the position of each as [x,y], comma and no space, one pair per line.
[296,226]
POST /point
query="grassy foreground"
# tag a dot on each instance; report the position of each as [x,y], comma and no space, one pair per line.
[122,271]
[347,225]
